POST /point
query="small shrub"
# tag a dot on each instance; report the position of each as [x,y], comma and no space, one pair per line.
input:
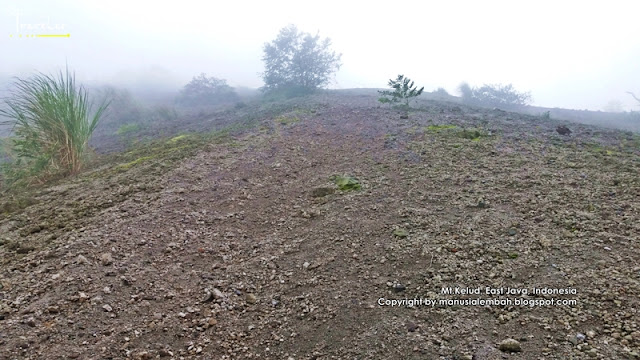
[503,96]
[403,91]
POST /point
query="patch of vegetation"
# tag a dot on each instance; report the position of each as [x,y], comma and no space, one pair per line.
[127,129]
[502,96]
[287,119]
[401,233]
[175,139]
[52,126]
[437,128]
[346,182]
[127,166]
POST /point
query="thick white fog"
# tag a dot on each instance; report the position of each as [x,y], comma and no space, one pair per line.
[571,54]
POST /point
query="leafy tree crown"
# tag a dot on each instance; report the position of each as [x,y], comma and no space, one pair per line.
[298,60]
[203,90]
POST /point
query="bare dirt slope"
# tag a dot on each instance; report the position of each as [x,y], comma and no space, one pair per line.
[248,249]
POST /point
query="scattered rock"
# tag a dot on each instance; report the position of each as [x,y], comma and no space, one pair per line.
[217,294]
[106,259]
[487,352]
[208,297]
[31,322]
[24,249]
[510,345]
[563,130]
[251,298]
[398,287]
[107,308]
[81,260]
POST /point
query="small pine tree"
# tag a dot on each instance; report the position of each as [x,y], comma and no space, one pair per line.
[403,90]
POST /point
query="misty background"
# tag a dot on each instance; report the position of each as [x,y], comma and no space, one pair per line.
[573,54]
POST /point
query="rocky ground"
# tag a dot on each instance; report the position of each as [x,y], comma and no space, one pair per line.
[247,248]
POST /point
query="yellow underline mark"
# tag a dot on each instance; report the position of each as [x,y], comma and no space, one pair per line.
[53,35]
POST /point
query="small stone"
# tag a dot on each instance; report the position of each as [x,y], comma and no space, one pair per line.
[591,334]
[512,232]
[107,308]
[306,264]
[106,259]
[510,345]
[212,322]
[251,299]
[217,293]
[165,353]
[399,287]
[144,355]
[82,260]
[411,327]
[208,297]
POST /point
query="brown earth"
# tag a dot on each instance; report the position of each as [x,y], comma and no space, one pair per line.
[247,249]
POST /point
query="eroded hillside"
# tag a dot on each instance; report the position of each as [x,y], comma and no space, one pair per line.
[241,245]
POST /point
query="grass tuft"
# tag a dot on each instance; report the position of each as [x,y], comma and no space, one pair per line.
[51,123]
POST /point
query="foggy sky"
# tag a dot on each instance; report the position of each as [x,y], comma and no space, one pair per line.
[572,54]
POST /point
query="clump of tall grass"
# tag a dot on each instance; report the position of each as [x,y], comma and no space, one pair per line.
[51,123]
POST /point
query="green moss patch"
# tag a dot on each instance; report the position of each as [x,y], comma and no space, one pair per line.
[346,183]
[437,128]
[135,162]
